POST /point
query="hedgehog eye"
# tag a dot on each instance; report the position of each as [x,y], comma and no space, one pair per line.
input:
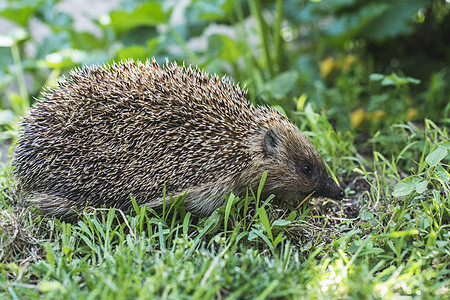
[306,169]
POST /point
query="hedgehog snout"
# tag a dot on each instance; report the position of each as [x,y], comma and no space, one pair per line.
[328,188]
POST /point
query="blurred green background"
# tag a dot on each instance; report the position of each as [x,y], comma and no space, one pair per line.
[364,64]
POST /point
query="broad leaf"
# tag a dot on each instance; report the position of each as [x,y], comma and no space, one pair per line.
[437,155]
[147,14]
[406,186]
[421,187]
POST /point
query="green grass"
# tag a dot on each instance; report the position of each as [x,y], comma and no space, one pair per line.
[249,249]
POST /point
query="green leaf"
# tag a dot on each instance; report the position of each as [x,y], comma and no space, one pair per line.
[388,81]
[265,221]
[279,239]
[87,41]
[147,14]
[47,286]
[253,235]
[421,187]
[348,25]
[445,143]
[262,236]
[401,233]
[18,103]
[186,222]
[281,223]
[230,201]
[20,12]
[65,58]
[282,84]
[221,45]
[406,186]
[207,11]
[134,51]
[260,187]
[369,251]
[395,20]
[396,80]
[437,155]
[49,255]
[442,174]
[291,216]
[376,77]
[393,79]
[6,116]
[212,224]
[366,215]
[212,10]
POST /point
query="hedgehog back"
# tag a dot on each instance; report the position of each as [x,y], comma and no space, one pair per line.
[130,129]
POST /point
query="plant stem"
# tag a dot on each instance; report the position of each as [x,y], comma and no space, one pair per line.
[254,74]
[276,32]
[256,9]
[25,103]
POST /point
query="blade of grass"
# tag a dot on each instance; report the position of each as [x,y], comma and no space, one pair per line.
[265,221]
[230,201]
[260,187]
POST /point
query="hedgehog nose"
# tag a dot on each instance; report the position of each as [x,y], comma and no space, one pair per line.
[340,194]
[329,188]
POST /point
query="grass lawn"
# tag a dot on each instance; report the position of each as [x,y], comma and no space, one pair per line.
[385,239]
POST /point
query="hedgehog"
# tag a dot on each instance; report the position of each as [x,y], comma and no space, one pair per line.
[135,129]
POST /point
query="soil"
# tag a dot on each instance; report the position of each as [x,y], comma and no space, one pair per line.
[349,207]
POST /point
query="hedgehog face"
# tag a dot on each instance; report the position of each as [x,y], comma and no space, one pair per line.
[295,168]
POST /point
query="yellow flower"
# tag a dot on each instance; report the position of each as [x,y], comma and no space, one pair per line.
[327,65]
[349,60]
[411,114]
[378,115]
[358,117]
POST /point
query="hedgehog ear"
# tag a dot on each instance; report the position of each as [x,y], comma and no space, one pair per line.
[272,141]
